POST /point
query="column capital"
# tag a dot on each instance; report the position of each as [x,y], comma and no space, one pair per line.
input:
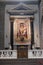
[31,19]
[11,19]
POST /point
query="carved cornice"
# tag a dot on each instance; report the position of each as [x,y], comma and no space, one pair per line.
[21,9]
[14,2]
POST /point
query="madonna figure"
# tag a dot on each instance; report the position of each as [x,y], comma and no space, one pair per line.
[22,34]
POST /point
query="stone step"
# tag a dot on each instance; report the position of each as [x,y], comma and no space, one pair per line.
[19,62]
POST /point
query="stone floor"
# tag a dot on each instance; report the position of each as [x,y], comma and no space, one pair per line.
[21,62]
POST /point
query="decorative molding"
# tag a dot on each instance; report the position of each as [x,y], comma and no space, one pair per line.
[14,17]
[19,1]
[21,9]
[21,5]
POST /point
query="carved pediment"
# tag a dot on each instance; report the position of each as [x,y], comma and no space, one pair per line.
[21,9]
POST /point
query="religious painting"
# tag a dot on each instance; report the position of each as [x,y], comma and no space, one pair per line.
[22,35]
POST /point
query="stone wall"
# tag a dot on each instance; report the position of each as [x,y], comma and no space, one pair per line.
[2,10]
[41,24]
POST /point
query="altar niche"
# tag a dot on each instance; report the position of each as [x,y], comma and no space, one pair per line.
[19,38]
[21,32]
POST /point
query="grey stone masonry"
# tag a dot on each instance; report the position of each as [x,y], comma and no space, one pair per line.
[21,62]
[41,24]
[2,14]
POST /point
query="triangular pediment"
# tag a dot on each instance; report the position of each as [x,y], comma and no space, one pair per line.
[21,9]
[21,6]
